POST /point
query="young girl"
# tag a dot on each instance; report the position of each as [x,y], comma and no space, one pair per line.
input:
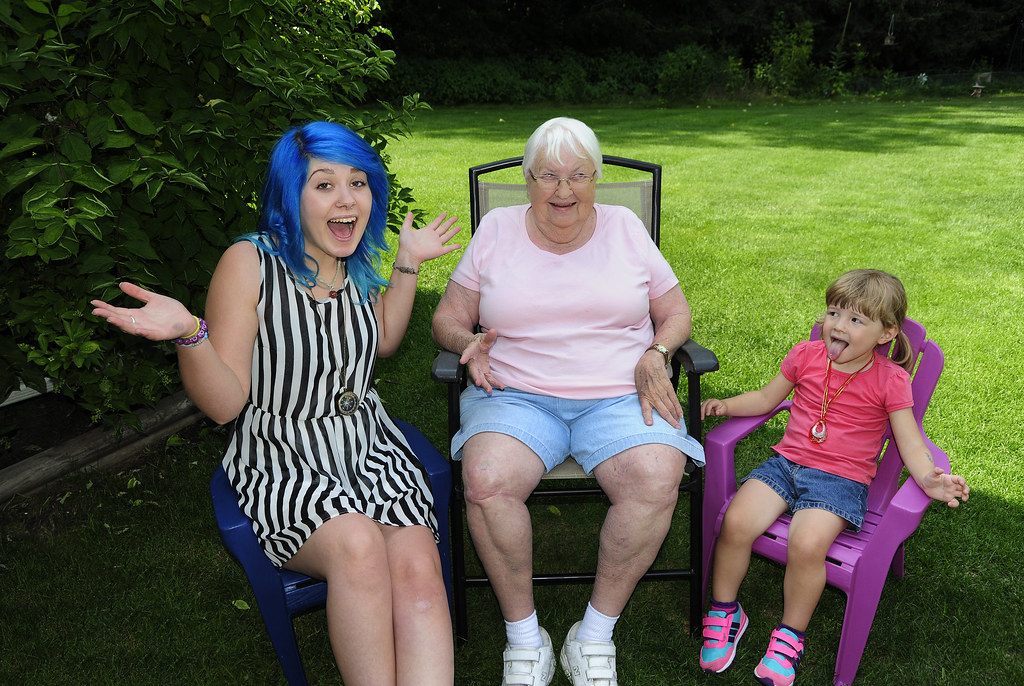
[297,314]
[845,392]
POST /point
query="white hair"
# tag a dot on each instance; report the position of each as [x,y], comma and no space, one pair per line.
[560,134]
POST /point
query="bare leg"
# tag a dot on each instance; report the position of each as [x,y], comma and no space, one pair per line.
[424,652]
[499,473]
[810,535]
[349,552]
[642,484]
[750,513]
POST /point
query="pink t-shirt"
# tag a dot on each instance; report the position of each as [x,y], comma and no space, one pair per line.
[857,420]
[573,325]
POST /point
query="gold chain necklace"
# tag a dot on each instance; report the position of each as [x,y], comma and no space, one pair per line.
[819,432]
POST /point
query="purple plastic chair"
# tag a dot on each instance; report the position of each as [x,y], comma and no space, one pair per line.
[857,563]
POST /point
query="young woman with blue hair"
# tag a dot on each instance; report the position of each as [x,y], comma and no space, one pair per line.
[295,315]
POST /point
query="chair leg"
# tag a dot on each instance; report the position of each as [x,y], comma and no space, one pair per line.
[710,523]
[278,621]
[861,606]
[897,561]
[459,571]
[696,553]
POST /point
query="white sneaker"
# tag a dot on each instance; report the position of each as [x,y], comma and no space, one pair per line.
[528,666]
[590,663]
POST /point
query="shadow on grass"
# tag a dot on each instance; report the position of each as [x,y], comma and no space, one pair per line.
[846,125]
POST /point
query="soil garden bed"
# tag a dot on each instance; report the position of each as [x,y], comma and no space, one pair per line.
[47,436]
[31,426]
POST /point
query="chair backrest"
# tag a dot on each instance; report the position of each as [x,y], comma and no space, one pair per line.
[928,364]
[643,196]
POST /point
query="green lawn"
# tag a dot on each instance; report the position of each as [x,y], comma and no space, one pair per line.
[120,578]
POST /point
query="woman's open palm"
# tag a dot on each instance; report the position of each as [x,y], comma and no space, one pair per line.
[159,319]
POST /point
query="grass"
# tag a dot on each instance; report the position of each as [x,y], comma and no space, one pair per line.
[120,578]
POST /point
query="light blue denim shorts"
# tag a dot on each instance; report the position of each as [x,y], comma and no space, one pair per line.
[806,487]
[589,430]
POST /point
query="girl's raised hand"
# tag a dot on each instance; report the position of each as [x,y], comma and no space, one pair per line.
[429,242]
[159,319]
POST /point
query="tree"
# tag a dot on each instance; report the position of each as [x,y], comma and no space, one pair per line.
[132,143]
[931,34]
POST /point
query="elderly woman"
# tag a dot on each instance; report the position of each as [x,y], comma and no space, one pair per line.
[578,313]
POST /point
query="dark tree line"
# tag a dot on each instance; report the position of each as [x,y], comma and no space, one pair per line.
[905,36]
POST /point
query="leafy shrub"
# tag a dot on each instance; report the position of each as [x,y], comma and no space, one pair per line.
[790,69]
[132,144]
[687,71]
[456,81]
[566,77]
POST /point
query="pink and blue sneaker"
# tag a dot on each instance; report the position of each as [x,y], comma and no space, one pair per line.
[722,632]
[778,666]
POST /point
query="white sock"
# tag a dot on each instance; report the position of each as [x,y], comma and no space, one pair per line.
[595,626]
[525,632]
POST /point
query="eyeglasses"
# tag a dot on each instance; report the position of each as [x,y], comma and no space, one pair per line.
[552,181]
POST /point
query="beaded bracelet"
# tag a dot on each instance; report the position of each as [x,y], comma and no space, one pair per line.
[197,337]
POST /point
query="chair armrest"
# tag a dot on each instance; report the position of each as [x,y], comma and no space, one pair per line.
[719,451]
[726,435]
[446,368]
[695,358]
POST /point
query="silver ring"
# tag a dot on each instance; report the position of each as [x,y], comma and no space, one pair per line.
[133,320]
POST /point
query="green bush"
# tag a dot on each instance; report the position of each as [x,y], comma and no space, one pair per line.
[687,71]
[565,77]
[133,139]
[790,69]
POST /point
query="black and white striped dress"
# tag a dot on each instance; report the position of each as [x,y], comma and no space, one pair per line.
[294,458]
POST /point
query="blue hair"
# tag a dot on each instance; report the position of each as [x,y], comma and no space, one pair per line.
[286,176]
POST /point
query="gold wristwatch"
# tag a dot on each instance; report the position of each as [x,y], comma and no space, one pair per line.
[661,349]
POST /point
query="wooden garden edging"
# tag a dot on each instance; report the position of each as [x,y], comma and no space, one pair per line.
[99,448]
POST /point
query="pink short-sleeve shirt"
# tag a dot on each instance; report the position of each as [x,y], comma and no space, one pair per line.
[857,420]
[573,325]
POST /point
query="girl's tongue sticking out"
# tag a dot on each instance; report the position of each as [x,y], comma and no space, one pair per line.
[836,348]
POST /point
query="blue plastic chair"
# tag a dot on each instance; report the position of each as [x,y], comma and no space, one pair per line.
[281,594]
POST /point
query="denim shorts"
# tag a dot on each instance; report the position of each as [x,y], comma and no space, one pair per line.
[806,487]
[590,431]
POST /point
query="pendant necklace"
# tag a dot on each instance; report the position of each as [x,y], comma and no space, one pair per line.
[347,401]
[819,432]
[332,287]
